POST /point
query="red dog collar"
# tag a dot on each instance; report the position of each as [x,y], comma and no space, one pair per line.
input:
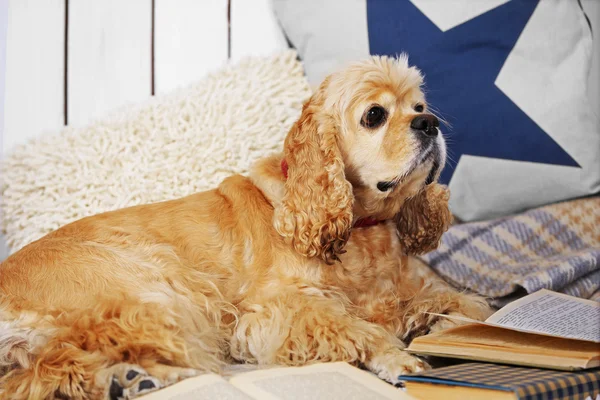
[284,168]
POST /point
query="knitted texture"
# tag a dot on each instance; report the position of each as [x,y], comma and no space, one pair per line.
[169,147]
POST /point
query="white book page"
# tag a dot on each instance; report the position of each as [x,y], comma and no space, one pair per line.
[548,313]
[552,313]
[324,381]
[203,387]
[330,381]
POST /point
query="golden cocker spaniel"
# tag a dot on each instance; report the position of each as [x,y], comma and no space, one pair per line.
[306,260]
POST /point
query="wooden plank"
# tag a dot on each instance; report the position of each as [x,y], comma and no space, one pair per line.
[254,29]
[190,39]
[3,29]
[109,56]
[34,91]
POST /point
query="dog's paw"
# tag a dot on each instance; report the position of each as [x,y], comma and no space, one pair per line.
[446,323]
[126,381]
[169,375]
[393,363]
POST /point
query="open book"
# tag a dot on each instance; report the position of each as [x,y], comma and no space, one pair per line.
[331,381]
[545,329]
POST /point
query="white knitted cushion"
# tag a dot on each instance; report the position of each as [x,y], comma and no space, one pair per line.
[169,147]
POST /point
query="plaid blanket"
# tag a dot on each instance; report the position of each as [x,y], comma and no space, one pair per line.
[555,247]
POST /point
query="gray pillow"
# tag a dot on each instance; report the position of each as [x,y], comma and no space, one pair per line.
[511,77]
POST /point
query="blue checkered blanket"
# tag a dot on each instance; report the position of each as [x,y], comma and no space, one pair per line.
[555,247]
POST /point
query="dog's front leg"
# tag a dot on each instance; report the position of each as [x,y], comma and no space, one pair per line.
[297,329]
[435,296]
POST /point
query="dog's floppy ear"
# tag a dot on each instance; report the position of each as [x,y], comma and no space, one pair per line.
[423,219]
[316,211]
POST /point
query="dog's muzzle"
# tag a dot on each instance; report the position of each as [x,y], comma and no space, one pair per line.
[432,145]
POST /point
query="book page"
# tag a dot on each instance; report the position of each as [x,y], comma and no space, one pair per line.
[203,387]
[330,381]
[547,313]
[552,313]
[324,381]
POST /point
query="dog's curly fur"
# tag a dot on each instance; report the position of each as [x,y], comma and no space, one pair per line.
[262,269]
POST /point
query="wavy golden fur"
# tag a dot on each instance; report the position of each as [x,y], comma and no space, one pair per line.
[262,269]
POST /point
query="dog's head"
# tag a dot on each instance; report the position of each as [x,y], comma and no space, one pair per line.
[365,143]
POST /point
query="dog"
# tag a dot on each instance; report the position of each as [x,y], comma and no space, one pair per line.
[307,259]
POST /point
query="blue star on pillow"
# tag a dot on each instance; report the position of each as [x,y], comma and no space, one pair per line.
[460,68]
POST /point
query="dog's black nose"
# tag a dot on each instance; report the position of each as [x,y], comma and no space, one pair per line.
[426,123]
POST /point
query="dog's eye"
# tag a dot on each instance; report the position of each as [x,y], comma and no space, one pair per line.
[419,108]
[374,117]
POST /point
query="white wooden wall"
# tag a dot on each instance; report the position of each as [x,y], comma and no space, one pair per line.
[70,61]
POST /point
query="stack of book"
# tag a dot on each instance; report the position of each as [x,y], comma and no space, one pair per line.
[555,335]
